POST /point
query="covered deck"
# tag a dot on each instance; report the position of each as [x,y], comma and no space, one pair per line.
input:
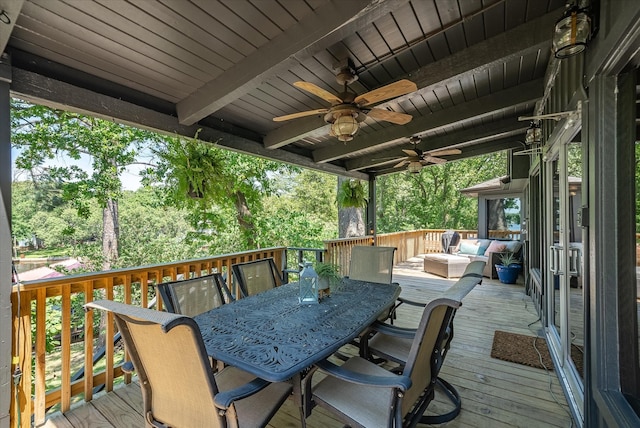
[494,393]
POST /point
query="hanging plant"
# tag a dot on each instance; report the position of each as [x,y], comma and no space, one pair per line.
[194,168]
[352,194]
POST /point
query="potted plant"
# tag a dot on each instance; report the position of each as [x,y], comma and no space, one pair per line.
[508,268]
[328,276]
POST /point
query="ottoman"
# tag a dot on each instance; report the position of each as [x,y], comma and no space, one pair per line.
[446,265]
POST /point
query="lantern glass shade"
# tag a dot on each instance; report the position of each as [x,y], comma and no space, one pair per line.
[534,135]
[345,127]
[414,167]
[571,33]
[308,285]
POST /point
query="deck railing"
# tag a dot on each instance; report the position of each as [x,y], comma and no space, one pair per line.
[30,301]
[409,244]
[31,326]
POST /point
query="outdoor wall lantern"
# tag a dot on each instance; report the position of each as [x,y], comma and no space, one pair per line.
[345,127]
[308,285]
[534,134]
[414,167]
[571,32]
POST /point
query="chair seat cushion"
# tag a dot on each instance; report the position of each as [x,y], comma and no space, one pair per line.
[366,405]
[254,410]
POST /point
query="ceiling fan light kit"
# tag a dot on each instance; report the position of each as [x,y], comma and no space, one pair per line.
[414,167]
[345,127]
[348,110]
[571,32]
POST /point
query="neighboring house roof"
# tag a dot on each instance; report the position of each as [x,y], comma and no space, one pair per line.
[44,272]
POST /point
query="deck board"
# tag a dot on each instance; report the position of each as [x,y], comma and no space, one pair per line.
[494,393]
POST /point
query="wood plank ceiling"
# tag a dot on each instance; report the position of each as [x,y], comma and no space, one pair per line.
[226,68]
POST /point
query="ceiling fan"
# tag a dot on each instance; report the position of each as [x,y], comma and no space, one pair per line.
[348,109]
[416,158]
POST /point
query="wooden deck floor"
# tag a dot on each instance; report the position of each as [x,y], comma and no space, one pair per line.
[494,393]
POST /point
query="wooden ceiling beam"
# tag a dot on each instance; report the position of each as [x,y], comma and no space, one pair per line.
[329,24]
[9,12]
[475,109]
[459,139]
[528,38]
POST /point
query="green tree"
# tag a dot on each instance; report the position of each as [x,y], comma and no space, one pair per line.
[43,134]
[432,198]
[209,181]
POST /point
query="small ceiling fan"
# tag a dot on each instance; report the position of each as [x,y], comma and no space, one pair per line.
[416,158]
[348,109]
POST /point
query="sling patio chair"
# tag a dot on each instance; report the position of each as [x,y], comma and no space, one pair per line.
[179,389]
[192,296]
[392,343]
[371,263]
[363,394]
[256,276]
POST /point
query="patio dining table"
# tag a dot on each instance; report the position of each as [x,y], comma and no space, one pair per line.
[274,337]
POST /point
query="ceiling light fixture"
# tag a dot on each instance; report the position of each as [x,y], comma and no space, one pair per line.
[572,32]
[345,126]
[534,134]
[414,167]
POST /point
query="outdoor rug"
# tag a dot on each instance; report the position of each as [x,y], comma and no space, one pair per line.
[518,348]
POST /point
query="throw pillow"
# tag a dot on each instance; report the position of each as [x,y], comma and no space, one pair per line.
[495,247]
[467,247]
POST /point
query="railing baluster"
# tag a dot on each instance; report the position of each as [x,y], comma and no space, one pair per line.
[108,381]
[88,344]
[65,342]
[40,356]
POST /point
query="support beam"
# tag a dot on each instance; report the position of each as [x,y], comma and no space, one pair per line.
[328,24]
[6,320]
[9,11]
[458,139]
[531,37]
[43,90]
[478,108]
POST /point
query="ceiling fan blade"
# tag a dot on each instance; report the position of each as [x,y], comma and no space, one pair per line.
[392,90]
[401,163]
[412,152]
[300,114]
[390,116]
[318,92]
[432,159]
[445,152]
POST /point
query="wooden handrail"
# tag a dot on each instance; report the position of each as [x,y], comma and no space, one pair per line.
[131,285]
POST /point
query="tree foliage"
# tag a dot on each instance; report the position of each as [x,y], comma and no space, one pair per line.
[432,198]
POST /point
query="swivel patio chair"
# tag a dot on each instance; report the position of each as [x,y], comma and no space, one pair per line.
[371,263]
[178,387]
[256,276]
[192,296]
[363,394]
[392,343]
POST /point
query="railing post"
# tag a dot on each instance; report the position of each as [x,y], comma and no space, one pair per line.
[22,341]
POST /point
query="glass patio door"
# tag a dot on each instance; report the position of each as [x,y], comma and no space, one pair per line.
[564,273]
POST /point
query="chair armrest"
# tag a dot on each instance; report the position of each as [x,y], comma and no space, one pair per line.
[401,382]
[224,399]
[392,330]
[410,302]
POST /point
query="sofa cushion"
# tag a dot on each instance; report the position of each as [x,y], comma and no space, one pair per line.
[469,247]
[495,247]
[513,246]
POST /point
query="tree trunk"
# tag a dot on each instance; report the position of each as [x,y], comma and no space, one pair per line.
[496,214]
[350,220]
[110,234]
[245,219]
